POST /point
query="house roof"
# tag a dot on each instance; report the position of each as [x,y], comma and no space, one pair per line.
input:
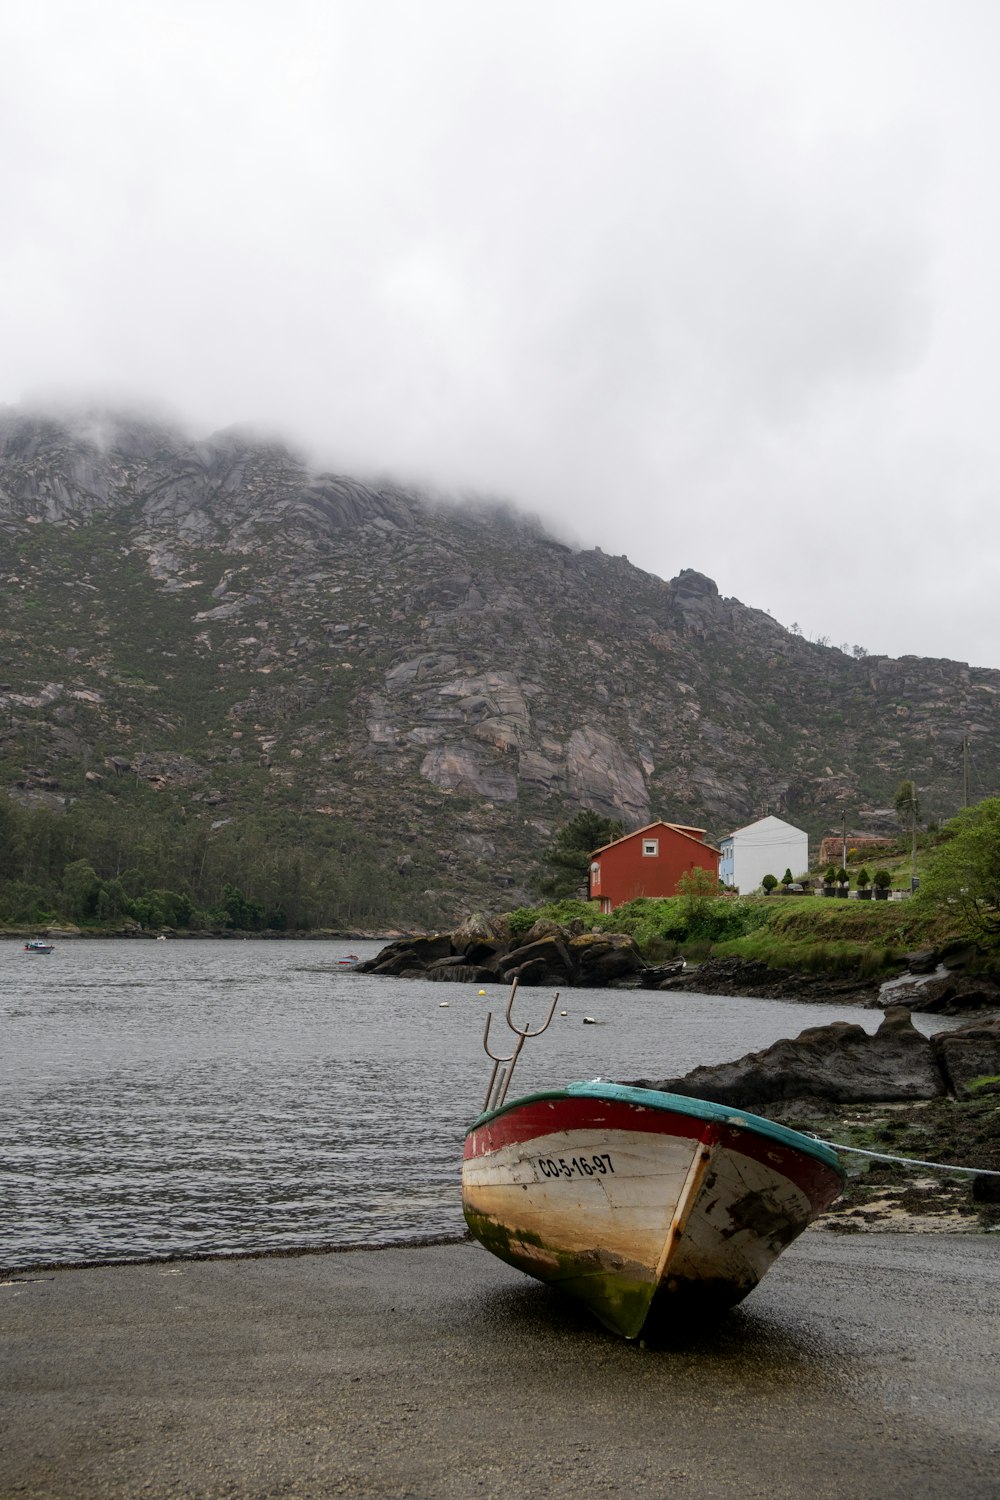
[771,817]
[684,829]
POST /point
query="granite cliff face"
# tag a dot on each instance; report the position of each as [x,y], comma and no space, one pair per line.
[239,631]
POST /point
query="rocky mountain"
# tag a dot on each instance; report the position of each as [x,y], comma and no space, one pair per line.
[224,624]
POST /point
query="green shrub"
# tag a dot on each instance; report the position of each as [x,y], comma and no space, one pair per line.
[567,911]
[521,920]
[678,920]
[648,920]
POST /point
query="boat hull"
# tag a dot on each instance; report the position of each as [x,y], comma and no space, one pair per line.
[640,1203]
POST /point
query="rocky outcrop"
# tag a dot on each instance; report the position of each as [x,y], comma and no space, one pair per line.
[742,976]
[409,957]
[602,777]
[969,1058]
[839,1063]
[485,953]
[460,768]
[927,985]
[843,1064]
[944,993]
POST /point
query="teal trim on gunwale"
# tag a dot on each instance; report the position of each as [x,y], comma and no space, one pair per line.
[700,1109]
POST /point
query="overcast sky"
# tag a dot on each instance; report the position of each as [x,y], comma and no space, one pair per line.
[709,284]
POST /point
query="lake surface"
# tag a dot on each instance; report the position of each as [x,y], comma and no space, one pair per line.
[191,1097]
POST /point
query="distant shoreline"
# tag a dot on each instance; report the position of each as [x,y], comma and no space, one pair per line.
[60,935]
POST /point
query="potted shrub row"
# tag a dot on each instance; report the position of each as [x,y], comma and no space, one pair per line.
[789,885]
[837,882]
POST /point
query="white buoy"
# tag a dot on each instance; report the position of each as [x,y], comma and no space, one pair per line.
[589,1021]
[564,1012]
[442,1005]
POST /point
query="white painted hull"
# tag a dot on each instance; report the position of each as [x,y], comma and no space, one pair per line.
[625,1199]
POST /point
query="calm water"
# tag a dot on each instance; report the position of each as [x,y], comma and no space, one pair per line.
[186,1097]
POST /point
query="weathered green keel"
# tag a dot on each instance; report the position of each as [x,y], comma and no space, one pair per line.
[620,1297]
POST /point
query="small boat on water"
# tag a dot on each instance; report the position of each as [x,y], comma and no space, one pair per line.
[38,945]
[347,961]
[646,1206]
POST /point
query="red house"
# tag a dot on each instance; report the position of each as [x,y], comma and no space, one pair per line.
[649,862]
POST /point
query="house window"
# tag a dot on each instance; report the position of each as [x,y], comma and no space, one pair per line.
[651,847]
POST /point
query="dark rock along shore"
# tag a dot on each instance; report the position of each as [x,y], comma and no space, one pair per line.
[899,1093]
[842,1063]
[934,983]
[485,951]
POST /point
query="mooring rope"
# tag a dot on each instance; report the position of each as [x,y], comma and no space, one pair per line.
[906,1161]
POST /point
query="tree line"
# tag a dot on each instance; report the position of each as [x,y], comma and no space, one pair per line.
[137,859]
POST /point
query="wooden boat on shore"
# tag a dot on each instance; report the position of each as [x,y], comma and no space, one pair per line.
[38,945]
[646,1206]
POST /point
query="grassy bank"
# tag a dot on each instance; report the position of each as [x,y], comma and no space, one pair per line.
[865,938]
[805,933]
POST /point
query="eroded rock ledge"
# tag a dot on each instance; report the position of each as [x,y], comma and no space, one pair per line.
[751,977]
[928,985]
[485,951]
[914,1097]
[842,1063]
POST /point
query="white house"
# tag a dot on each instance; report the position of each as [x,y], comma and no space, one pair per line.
[768,847]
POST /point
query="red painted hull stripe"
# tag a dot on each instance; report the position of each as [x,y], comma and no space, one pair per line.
[544,1117]
[541,1117]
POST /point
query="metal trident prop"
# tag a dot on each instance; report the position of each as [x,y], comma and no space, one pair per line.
[499,1082]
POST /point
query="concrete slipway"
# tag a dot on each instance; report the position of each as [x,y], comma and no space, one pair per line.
[864,1365]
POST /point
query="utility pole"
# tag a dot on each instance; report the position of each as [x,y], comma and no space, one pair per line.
[843,850]
[913,834]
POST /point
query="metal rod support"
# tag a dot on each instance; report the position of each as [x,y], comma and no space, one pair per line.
[499,1083]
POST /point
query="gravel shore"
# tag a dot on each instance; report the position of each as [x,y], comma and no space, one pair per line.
[863,1365]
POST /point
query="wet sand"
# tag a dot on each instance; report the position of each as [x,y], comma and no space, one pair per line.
[864,1365]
